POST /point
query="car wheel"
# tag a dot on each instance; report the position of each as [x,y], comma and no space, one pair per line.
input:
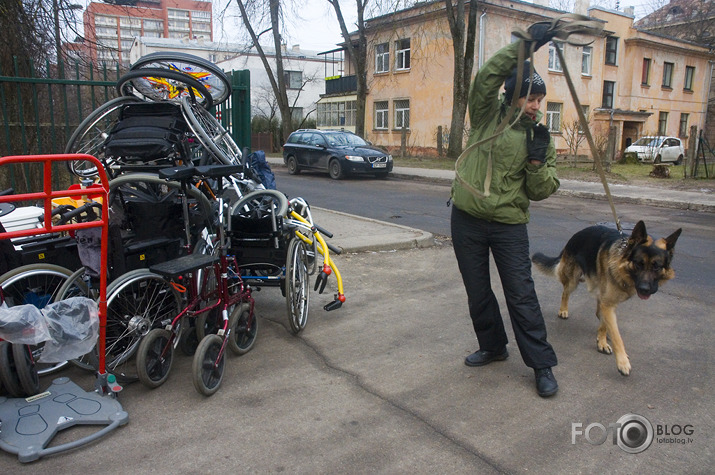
[292,165]
[335,169]
[679,160]
[657,159]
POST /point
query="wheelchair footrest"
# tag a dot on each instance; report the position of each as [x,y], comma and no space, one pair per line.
[184,264]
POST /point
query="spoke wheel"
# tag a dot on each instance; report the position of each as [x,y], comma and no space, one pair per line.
[26,369]
[8,374]
[154,358]
[244,328]
[212,135]
[90,135]
[297,285]
[158,84]
[208,365]
[135,306]
[39,285]
[260,204]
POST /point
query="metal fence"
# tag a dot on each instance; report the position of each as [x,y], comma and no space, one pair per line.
[41,105]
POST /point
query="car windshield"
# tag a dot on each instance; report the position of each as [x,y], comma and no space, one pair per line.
[648,141]
[339,138]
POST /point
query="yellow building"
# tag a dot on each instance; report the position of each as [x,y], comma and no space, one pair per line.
[637,82]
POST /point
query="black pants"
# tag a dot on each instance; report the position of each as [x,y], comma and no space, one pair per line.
[509,243]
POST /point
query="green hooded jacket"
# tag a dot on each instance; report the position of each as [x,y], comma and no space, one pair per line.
[514,182]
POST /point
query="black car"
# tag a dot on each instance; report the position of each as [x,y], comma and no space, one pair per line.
[338,152]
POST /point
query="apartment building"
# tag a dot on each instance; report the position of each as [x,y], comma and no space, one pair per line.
[632,80]
[110,28]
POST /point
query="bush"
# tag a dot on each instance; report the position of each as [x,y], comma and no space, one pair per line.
[629,158]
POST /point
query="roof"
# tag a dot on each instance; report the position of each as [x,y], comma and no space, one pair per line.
[237,48]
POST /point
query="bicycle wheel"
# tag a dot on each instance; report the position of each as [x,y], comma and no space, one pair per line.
[135,306]
[8,374]
[26,369]
[36,284]
[158,84]
[244,328]
[154,358]
[208,74]
[212,135]
[207,368]
[297,285]
[91,133]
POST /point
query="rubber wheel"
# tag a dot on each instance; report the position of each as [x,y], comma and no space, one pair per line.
[207,368]
[154,358]
[90,135]
[188,342]
[244,328]
[26,369]
[212,135]
[657,159]
[335,169]
[258,204]
[158,84]
[679,161]
[8,374]
[292,164]
[297,285]
[208,323]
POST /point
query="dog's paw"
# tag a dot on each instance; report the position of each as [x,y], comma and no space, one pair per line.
[604,347]
[624,367]
[564,314]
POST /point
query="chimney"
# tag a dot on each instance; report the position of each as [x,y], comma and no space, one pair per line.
[296,48]
[630,11]
[581,7]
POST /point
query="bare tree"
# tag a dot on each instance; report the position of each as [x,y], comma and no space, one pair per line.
[463,45]
[359,54]
[573,136]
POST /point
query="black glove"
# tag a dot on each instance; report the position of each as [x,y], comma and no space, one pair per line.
[537,142]
[540,34]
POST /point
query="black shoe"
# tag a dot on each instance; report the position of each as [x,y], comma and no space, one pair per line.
[546,384]
[483,357]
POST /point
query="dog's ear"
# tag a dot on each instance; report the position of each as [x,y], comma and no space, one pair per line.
[670,240]
[638,236]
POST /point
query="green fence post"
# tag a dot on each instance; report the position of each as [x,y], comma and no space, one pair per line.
[241,107]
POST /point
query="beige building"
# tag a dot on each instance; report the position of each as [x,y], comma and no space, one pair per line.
[637,82]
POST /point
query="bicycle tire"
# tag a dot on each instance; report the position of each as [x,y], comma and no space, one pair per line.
[207,368]
[297,285]
[244,329]
[217,83]
[90,135]
[154,357]
[212,135]
[38,284]
[148,82]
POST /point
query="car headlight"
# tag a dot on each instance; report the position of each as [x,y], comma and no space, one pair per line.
[389,158]
[354,158]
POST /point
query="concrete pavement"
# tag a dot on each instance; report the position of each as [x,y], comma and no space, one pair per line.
[379,386]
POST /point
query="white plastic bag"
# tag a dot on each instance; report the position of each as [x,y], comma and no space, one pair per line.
[23,324]
[73,329]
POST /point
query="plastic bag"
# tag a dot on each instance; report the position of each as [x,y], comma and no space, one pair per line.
[23,324]
[73,329]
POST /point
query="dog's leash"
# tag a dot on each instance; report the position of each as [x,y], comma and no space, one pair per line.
[562,27]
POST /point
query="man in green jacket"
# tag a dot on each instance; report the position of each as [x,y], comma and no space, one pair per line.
[496,181]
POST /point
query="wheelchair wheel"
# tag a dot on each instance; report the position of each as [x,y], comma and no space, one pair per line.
[260,204]
[92,132]
[8,374]
[244,328]
[154,358]
[212,77]
[26,369]
[135,306]
[39,285]
[188,342]
[297,285]
[212,135]
[208,365]
[158,84]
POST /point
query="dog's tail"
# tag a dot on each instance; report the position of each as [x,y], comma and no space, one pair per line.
[546,264]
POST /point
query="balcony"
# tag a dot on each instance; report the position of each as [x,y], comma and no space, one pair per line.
[341,85]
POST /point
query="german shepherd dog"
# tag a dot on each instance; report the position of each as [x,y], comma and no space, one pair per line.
[614,268]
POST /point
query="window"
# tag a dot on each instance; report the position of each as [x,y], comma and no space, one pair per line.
[402,54]
[586,111]
[336,114]
[553,116]
[212,57]
[402,113]
[662,123]
[668,75]
[609,89]
[586,56]
[293,79]
[554,63]
[611,50]
[683,127]
[296,113]
[645,75]
[382,58]
[689,75]
[381,114]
